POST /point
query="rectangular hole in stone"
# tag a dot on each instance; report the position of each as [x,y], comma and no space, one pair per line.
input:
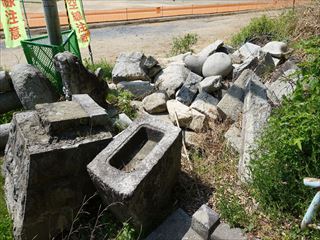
[136,149]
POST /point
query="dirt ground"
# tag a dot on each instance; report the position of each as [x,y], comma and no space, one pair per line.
[152,38]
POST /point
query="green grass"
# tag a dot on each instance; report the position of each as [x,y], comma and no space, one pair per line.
[7,117]
[263,29]
[183,44]
[101,63]
[289,148]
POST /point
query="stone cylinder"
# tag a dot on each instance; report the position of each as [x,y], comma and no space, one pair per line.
[5,82]
[9,101]
[4,134]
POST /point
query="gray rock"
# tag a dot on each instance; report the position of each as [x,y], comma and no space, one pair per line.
[187,117]
[248,50]
[232,102]
[217,64]
[210,84]
[31,86]
[207,105]
[4,134]
[276,49]
[150,62]
[42,192]
[224,232]
[155,103]
[204,221]
[233,137]
[256,111]
[137,105]
[9,101]
[283,86]
[77,79]
[265,65]
[138,88]
[136,173]
[189,89]
[249,63]
[191,139]
[209,50]
[129,67]
[276,61]
[171,78]
[173,228]
[195,62]
[5,82]
[123,121]
[153,72]
[179,59]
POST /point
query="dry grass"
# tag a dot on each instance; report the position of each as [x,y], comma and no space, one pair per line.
[308,22]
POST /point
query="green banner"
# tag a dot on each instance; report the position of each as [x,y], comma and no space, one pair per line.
[78,22]
[12,22]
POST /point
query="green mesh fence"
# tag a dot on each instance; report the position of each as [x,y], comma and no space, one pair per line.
[40,53]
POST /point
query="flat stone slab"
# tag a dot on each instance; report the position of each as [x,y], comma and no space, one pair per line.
[138,170]
[60,116]
[97,114]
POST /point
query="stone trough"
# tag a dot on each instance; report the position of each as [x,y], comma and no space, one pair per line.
[135,174]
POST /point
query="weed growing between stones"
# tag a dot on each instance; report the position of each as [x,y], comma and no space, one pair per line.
[6,117]
[93,221]
[101,63]
[183,44]
[121,100]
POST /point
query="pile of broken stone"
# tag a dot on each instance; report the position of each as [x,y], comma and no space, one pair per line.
[190,89]
[217,83]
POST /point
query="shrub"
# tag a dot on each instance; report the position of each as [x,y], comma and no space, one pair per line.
[289,148]
[183,44]
[102,63]
[264,29]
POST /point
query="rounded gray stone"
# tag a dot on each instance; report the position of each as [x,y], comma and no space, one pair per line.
[276,49]
[217,64]
[31,86]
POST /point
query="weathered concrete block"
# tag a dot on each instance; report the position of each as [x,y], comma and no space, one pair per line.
[4,134]
[224,232]
[97,114]
[45,175]
[233,137]
[232,102]
[173,228]
[256,112]
[138,170]
[204,221]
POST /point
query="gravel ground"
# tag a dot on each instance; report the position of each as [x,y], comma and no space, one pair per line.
[152,38]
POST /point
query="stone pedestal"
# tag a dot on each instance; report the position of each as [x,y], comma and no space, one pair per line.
[45,167]
[135,174]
